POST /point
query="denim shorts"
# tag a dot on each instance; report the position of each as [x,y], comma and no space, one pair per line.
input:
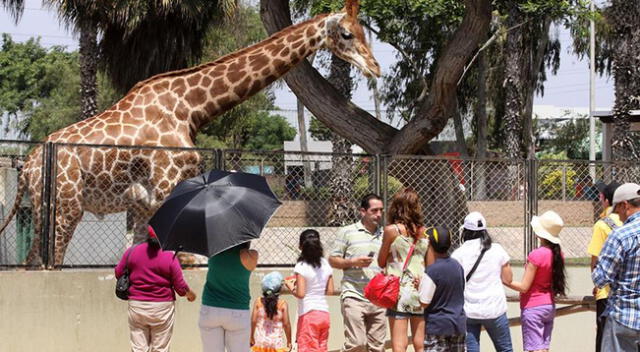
[402,315]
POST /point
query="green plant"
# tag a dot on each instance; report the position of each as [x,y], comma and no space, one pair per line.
[362,186]
[315,193]
[552,183]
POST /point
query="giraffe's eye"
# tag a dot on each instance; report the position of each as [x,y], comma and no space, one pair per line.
[346,35]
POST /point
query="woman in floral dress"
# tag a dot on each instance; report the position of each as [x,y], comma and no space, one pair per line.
[404,237]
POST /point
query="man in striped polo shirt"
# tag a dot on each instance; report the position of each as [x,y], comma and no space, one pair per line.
[354,252]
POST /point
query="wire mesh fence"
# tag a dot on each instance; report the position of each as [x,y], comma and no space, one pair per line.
[85,216]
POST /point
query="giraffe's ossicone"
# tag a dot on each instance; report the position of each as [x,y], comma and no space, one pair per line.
[167,110]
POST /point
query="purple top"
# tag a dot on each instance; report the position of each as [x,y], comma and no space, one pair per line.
[154,275]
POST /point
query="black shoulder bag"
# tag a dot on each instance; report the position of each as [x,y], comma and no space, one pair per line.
[475,266]
[123,283]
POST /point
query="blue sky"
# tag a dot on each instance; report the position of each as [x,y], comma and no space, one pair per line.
[569,88]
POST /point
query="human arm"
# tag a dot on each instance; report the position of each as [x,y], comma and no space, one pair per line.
[426,290]
[177,280]
[390,233]
[527,279]
[286,323]
[254,321]
[609,262]
[337,255]
[298,289]
[329,291]
[249,258]
[119,270]
[506,274]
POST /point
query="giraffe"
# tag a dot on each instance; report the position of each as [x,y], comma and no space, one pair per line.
[167,110]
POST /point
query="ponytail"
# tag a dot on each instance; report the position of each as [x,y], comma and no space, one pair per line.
[270,303]
[483,235]
[311,248]
[559,274]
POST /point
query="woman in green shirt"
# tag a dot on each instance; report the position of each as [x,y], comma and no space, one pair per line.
[224,316]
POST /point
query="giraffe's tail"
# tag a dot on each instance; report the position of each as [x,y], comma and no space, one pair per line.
[22,187]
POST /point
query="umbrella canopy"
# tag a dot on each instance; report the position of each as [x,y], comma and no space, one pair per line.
[215,211]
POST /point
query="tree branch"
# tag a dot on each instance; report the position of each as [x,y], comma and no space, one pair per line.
[321,98]
[434,112]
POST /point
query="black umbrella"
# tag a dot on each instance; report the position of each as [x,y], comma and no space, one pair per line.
[215,211]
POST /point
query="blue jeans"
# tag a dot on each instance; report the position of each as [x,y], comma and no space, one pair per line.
[498,330]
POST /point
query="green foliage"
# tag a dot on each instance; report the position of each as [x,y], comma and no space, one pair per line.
[362,186]
[319,131]
[569,137]
[39,87]
[248,125]
[553,177]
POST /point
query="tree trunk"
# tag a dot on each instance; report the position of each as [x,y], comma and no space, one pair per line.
[88,48]
[304,147]
[624,17]
[481,123]
[341,183]
[459,129]
[513,85]
[537,47]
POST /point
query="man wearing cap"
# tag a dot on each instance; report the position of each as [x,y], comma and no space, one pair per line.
[365,327]
[601,230]
[619,266]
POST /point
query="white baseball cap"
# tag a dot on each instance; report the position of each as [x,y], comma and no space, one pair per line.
[474,221]
[627,191]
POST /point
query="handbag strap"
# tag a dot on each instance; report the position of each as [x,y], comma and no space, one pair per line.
[410,253]
[475,266]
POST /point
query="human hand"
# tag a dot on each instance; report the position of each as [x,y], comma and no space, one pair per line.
[595,290]
[191,296]
[361,262]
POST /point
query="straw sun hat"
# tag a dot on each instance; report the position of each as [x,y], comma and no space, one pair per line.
[548,226]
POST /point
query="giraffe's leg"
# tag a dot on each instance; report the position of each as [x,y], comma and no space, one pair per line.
[67,219]
[34,256]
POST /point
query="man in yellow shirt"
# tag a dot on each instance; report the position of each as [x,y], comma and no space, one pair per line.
[602,228]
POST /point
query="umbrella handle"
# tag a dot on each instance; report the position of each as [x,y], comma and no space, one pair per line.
[176,252]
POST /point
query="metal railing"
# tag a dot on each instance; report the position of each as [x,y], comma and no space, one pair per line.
[318,190]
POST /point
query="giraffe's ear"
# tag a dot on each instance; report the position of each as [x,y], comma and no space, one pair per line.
[352,7]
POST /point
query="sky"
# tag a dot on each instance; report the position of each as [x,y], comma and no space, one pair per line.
[568,89]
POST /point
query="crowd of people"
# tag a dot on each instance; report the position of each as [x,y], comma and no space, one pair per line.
[446,295]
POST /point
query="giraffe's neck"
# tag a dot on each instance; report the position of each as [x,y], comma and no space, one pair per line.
[211,89]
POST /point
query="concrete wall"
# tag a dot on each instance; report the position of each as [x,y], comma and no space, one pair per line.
[76,311]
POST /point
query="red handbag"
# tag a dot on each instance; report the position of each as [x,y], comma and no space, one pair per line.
[383,290]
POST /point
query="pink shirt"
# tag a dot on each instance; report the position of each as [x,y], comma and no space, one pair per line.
[541,290]
[154,274]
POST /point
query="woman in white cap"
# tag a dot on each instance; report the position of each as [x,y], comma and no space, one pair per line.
[486,266]
[544,279]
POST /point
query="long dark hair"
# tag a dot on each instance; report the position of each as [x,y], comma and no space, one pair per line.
[311,248]
[485,239]
[405,209]
[270,302]
[559,275]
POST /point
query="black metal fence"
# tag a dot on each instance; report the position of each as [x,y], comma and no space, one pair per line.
[318,190]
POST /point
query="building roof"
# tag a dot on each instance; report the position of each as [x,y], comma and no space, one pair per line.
[606,116]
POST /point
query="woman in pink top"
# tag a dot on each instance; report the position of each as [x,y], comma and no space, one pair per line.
[154,275]
[544,278]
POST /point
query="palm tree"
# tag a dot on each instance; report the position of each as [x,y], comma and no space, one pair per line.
[138,38]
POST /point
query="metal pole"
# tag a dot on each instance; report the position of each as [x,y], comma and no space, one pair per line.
[592,92]
[564,183]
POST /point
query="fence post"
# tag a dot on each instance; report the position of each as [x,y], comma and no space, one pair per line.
[384,168]
[531,203]
[377,171]
[220,164]
[564,182]
[48,164]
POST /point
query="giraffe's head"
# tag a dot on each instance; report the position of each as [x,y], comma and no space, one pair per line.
[345,38]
